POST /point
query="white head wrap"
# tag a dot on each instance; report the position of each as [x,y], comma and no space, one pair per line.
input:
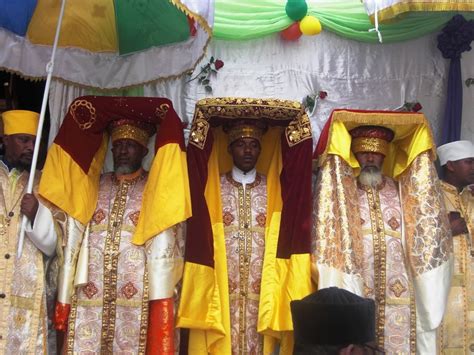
[455,151]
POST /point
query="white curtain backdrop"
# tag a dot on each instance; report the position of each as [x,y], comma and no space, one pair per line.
[354,74]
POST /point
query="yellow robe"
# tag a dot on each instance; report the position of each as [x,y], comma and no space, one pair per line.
[23,314]
[456,334]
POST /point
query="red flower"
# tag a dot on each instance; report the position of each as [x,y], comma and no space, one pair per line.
[417,107]
[322,95]
[218,64]
[192,26]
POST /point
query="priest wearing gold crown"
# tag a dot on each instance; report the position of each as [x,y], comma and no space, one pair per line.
[381,229]
[118,279]
[456,334]
[244,204]
[23,314]
[248,241]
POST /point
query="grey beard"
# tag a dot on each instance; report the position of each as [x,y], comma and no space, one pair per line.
[125,169]
[370,176]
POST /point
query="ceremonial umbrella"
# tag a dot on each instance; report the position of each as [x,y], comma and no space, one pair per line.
[106,44]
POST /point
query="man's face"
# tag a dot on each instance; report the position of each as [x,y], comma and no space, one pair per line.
[19,150]
[128,155]
[463,170]
[245,152]
[370,160]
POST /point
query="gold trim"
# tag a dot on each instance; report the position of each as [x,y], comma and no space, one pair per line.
[144,315]
[398,301]
[390,13]
[97,228]
[250,296]
[298,130]
[199,130]
[245,253]
[253,229]
[369,144]
[393,234]
[235,108]
[380,262]
[123,302]
[71,327]
[112,245]
[88,105]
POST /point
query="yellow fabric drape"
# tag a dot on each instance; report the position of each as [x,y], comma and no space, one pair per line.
[166,198]
[61,174]
[206,310]
[412,137]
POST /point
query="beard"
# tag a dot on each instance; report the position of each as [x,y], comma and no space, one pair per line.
[125,169]
[370,176]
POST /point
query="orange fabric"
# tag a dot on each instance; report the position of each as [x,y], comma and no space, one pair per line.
[61,316]
[160,337]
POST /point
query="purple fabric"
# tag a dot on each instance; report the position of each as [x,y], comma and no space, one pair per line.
[455,38]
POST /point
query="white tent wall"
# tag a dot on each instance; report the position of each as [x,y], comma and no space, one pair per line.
[354,74]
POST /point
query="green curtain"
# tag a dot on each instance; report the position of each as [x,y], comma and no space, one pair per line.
[247,19]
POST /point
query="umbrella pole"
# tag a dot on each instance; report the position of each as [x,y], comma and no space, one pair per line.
[31,178]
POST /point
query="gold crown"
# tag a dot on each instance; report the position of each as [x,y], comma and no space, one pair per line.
[138,131]
[373,139]
[374,145]
[244,130]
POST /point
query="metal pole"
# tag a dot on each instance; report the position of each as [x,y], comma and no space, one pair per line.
[49,71]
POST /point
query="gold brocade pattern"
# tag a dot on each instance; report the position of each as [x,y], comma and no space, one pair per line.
[386,276]
[198,133]
[245,251]
[232,108]
[23,319]
[369,144]
[456,332]
[341,248]
[427,227]
[380,262]
[114,319]
[298,131]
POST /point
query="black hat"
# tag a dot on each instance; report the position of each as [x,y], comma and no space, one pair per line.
[333,316]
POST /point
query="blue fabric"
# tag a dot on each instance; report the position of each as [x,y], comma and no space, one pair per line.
[453,112]
[15,15]
[456,37]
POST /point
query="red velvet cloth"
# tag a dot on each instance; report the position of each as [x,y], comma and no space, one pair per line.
[199,238]
[160,336]
[61,316]
[295,180]
[98,111]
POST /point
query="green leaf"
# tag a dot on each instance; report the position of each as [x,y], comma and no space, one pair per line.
[208,88]
[205,82]
[211,60]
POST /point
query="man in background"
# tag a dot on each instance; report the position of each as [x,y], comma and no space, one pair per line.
[456,333]
[23,314]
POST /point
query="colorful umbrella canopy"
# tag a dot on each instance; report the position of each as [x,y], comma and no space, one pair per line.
[105,43]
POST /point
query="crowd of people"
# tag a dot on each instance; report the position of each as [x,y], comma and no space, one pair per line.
[376,257]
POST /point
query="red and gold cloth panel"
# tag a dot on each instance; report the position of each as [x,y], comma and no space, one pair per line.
[244,217]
